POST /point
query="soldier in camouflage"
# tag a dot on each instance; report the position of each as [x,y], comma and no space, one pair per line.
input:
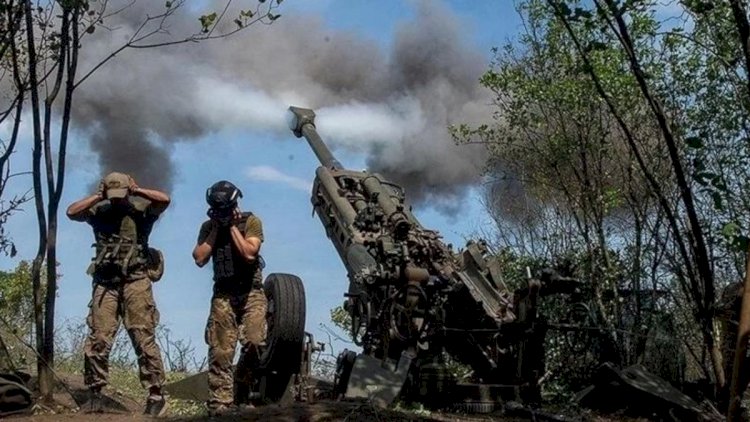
[122,215]
[232,240]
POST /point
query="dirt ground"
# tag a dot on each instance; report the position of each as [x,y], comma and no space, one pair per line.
[317,412]
[70,393]
[322,411]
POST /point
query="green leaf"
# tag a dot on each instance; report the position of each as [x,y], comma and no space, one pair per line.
[694,142]
[207,20]
[596,46]
[581,13]
[718,201]
[702,177]
[719,184]
[699,6]
[564,8]
[168,4]
[741,243]
[729,229]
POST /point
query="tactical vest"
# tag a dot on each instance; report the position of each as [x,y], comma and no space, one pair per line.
[121,234]
[231,271]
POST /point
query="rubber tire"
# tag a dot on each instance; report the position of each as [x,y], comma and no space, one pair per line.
[282,356]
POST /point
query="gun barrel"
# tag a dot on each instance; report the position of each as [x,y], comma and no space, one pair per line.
[302,123]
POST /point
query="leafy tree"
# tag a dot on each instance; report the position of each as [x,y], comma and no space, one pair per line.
[620,139]
[563,186]
[664,99]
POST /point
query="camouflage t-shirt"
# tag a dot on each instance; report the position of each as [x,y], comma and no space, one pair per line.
[232,272]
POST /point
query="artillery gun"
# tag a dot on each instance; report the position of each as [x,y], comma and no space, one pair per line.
[414,304]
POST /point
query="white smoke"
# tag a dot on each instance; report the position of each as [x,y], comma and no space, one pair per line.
[274,175]
[394,105]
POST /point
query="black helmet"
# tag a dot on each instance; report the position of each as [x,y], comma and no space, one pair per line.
[223,195]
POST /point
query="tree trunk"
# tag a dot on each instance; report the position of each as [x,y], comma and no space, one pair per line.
[43,370]
[738,381]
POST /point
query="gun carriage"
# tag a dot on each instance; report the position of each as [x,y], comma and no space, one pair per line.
[414,303]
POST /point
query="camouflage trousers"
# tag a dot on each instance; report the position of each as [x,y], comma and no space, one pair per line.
[133,303]
[233,318]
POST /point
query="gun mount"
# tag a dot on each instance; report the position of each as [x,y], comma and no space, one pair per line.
[411,298]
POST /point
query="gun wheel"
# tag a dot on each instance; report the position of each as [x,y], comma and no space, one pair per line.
[285,319]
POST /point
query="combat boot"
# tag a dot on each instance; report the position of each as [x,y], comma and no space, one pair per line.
[94,402]
[156,404]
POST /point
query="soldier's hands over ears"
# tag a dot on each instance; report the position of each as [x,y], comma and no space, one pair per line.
[132,186]
[100,189]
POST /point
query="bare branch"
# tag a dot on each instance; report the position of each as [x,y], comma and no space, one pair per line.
[138,38]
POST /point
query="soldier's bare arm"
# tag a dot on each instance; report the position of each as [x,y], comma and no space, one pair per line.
[248,247]
[78,210]
[159,200]
[249,244]
[206,240]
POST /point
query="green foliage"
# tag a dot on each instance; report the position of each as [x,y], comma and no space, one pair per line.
[207,21]
[341,319]
[16,300]
[125,382]
[515,266]
[552,133]
[705,90]
[567,189]
[17,313]
[412,408]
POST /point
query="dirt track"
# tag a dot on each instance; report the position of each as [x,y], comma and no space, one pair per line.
[318,412]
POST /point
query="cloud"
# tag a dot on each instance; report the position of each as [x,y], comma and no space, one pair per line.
[273,175]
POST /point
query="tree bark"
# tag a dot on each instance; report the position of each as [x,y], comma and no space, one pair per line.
[43,370]
[737,387]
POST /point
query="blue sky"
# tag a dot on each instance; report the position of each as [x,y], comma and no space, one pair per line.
[274,171]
